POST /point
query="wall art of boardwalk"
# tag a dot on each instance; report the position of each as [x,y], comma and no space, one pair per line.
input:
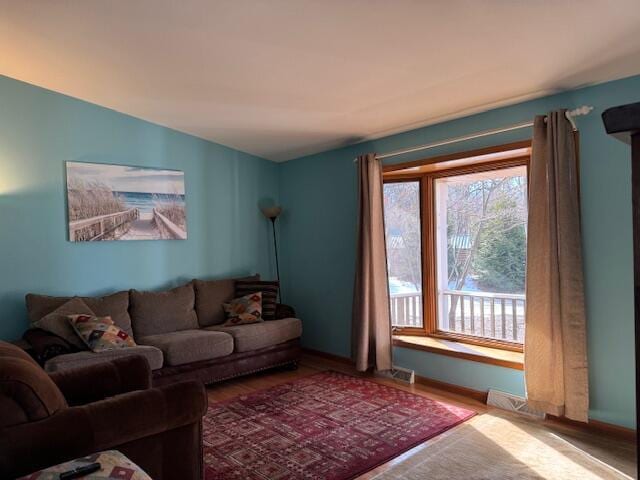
[119,202]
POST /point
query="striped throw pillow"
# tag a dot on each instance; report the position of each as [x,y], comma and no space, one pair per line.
[269,294]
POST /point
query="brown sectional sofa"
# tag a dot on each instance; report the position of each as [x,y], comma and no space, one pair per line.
[179,333]
[46,419]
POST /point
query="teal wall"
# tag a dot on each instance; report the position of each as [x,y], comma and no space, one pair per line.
[318,229]
[40,130]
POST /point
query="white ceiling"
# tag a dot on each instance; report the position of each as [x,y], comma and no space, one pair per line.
[285,78]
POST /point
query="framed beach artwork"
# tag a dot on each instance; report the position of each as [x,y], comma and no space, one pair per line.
[119,202]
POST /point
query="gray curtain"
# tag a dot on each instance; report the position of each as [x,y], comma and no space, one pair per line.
[555,348]
[371,325]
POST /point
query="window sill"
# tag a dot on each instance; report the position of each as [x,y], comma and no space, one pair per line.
[466,351]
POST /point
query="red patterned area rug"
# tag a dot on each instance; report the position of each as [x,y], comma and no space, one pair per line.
[328,426]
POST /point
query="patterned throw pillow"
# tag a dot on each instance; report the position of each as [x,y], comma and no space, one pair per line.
[243,310]
[100,333]
[269,294]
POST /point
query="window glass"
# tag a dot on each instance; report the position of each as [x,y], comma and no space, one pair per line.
[404,255]
[481,231]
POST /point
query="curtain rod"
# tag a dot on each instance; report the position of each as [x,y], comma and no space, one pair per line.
[570,114]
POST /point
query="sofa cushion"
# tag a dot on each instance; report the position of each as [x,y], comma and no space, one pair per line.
[153,313]
[57,322]
[26,391]
[115,305]
[82,359]
[210,295]
[263,334]
[189,346]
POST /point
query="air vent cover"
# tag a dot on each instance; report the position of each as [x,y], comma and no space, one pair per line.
[403,374]
[398,373]
[512,403]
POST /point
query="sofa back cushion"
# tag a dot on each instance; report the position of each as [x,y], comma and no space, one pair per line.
[115,306]
[27,393]
[153,313]
[210,295]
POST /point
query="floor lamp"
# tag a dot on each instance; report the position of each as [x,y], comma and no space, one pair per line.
[272,214]
[623,122]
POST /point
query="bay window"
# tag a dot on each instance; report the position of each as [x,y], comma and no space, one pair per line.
[456,246]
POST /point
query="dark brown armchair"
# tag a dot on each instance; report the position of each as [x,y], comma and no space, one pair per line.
[49,419]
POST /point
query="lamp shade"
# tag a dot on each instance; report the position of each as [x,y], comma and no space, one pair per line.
[271,212]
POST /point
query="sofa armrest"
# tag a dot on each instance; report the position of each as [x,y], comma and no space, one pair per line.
[95,382]
[284,311]
[107,424]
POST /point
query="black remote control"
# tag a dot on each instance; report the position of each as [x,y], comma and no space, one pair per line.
[80,471]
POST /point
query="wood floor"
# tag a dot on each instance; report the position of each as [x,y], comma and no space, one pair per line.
[615,452]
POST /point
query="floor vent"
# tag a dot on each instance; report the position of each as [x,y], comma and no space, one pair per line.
[403,375]
[512,403]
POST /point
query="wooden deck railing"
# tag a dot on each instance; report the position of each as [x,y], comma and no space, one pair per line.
[95,228]
[406,309]
[167,228]
[493,315]
[484,314]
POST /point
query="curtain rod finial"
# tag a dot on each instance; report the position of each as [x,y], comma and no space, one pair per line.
[583,110]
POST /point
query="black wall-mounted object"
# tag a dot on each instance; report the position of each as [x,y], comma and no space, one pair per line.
[623,122]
